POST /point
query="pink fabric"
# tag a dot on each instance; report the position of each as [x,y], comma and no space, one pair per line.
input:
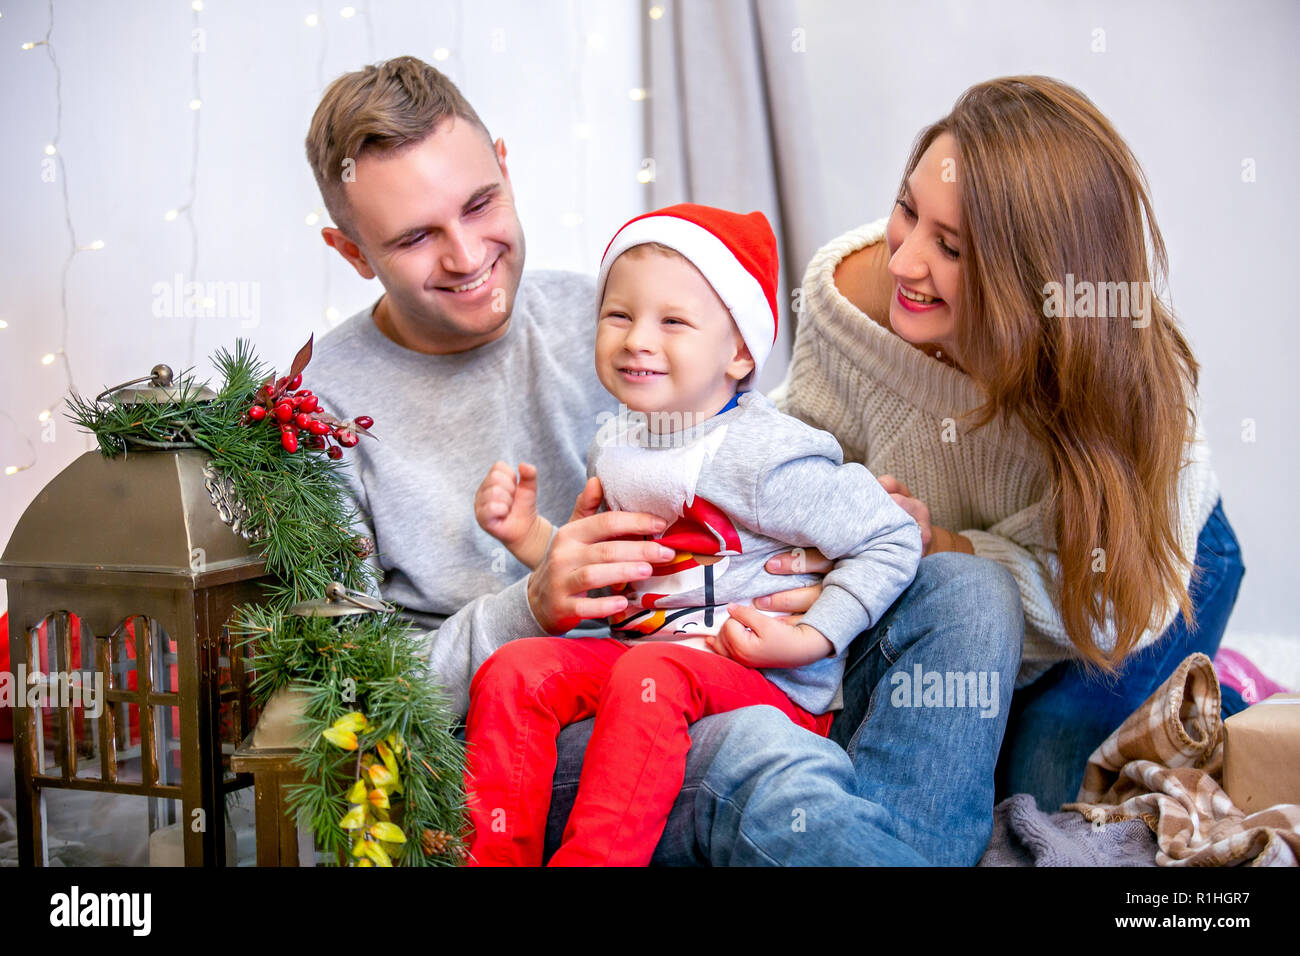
[1237,671]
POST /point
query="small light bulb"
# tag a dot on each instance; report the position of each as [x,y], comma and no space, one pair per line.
[197,6]
[29,45]
[11,469]
[332,314]
[348,13]
[441,53]
[312,20]
[645,176]
[171,214]
[656,12]
[96,245]
[50,150]
[47,358]
[313,217]
[196,103]
[3,324]
[44,416]
[636,93]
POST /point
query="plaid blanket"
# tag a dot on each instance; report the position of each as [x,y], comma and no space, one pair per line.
[1163,765]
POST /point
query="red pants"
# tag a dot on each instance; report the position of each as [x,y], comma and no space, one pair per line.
[644,698]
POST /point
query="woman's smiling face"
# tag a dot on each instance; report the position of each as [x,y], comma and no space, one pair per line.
[924,255]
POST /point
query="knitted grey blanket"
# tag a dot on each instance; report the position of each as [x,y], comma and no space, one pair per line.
[1024,835]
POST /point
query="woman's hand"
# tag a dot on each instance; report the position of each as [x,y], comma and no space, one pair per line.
[933,538]
[795,601]
[751,638]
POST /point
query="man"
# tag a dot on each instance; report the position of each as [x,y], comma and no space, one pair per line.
[466,360]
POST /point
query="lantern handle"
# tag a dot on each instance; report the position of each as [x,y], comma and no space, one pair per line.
[335,593]
[159,376]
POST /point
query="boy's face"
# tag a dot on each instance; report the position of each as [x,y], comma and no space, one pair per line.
[664,340]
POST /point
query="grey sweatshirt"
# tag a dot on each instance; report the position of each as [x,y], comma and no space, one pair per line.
[738,488]
[442,420]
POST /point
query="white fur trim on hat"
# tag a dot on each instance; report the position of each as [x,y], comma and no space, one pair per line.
[739,291]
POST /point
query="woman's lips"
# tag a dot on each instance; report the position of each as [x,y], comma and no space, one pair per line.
[911,305]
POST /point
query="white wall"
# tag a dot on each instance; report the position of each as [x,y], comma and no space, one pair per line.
[1196,87]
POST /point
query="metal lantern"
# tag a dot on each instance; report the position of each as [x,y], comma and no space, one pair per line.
[148,552]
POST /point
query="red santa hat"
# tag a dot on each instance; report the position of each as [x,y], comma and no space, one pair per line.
[735,253]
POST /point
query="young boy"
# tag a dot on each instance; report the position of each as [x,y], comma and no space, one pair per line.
[687,315]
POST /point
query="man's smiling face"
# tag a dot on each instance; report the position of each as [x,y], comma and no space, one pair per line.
[436,222]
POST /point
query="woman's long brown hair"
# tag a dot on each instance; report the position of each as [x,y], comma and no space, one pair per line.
[1049,190]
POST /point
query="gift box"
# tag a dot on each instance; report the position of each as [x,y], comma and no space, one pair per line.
[1261,754]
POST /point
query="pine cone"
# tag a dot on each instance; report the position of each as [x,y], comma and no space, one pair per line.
[434,842]
[364,547]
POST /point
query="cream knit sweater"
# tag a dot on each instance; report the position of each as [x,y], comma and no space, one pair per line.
[895,410]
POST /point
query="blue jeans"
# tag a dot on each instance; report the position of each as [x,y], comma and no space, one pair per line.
[906,777]
[1060,719]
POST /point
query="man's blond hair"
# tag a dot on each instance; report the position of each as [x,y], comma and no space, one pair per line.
[383,107]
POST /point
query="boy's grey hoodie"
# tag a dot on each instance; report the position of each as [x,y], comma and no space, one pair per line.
[738,488]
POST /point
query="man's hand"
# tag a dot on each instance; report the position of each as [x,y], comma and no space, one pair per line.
[588,553]
[506,508]
[796,600]
[756,640]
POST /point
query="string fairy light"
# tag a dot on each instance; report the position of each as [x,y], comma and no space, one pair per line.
[314,217]
[185,210]
[55,155]
[314,21]
[573,219]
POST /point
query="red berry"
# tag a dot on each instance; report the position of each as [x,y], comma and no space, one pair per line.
[348,439]
[364,421]
[295,401]
[257,412]
[283,411]
[296,381]
[318,427]
[335,452]
[315,441]
[301,420]
[309,403]
[290,441]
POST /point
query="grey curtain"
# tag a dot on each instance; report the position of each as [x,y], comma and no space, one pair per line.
[727,94]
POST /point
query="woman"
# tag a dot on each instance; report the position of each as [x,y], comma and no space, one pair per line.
[998,346]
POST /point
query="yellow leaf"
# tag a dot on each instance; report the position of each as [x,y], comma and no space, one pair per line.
[389,760]
[358,792]
[354,819]
[376,853]
[378,798]
[380,775]
[341,738]
[359,847]
[354,721]
[395,742]
[364,863]
[388,832]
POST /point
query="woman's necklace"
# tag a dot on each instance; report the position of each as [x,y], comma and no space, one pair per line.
[937,353]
